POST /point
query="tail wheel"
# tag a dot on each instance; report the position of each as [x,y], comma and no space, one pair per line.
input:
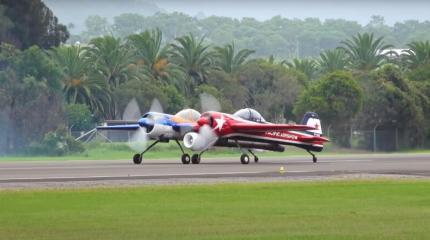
[195,159]
[185,158]
[137,158]
[256,159]
[244,159]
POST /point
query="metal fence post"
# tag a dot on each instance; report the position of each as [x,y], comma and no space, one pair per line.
[374,138]
[397,139]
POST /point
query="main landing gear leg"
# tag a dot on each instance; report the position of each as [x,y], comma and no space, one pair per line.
[244,158]
[314,158]
[195,159]
[185,158]
[255,156]
[138,157]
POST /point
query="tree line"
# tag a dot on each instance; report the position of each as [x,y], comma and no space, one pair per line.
[48,87]
[282,37]
[355,84]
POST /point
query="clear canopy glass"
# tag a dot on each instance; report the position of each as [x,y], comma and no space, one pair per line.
[189,114]
[250,115]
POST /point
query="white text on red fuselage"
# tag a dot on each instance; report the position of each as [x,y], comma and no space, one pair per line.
[281,135]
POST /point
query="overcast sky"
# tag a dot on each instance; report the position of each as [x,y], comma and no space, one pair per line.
[358,10]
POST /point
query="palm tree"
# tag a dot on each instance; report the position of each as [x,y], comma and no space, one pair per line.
[111,60]
[332,60]
[228,60]
[78,86]
[366,53]
[306,66]
[417,54]
[193,56]
[153,57]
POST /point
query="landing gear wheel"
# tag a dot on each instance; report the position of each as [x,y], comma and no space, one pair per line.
[185,158]
[195,159]
[244,159]
[255,156]
[314,158]
[137,158]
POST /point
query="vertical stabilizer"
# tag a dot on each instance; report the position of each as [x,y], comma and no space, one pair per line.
[312,119]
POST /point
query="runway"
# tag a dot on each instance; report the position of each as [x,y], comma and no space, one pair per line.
[107,172]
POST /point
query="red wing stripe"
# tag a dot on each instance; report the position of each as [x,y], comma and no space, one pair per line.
[247,127]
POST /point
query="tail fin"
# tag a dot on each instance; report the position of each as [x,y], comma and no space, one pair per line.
[312,119]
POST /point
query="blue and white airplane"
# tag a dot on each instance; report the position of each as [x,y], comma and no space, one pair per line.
[158,126]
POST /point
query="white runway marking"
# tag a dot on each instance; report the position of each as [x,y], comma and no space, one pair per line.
[137,176]
[340,161]
[161,164]
[62,167]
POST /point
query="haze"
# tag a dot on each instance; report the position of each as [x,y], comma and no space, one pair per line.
[361,11]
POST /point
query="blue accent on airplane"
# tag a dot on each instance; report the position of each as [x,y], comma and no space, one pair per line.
[148,120]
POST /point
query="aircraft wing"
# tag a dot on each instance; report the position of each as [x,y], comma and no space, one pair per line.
[126,127]
[249,127]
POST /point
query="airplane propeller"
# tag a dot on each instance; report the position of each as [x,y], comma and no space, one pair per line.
[209,136]
[206,137]
[132,111]
[209,103]
[139,139]
[156,106]
[202,140]
[207,132]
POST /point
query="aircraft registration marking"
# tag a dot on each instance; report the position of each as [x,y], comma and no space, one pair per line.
[282,135]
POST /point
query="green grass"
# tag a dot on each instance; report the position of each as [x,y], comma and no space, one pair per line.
[378,209]
[419,150]
[115,151]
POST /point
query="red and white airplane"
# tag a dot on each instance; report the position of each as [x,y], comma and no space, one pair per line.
[247,130]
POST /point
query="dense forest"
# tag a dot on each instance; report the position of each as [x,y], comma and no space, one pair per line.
[281,37]
[349,76]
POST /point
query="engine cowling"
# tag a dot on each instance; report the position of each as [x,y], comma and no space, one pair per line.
[196,142]
[160,130]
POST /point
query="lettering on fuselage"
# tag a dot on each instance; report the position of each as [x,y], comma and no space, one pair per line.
[282,135]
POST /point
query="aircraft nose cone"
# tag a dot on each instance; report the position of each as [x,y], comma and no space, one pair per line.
[147,124]
[143,122]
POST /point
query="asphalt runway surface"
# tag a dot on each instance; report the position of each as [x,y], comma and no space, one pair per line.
[124,172]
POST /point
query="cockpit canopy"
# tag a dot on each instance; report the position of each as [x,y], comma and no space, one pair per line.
[188,114]
[250,115]
[153,115]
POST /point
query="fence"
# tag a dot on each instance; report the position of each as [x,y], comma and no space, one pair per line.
[104,135]
[391,139]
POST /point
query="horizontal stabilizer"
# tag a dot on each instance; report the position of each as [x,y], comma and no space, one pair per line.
[314,139]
